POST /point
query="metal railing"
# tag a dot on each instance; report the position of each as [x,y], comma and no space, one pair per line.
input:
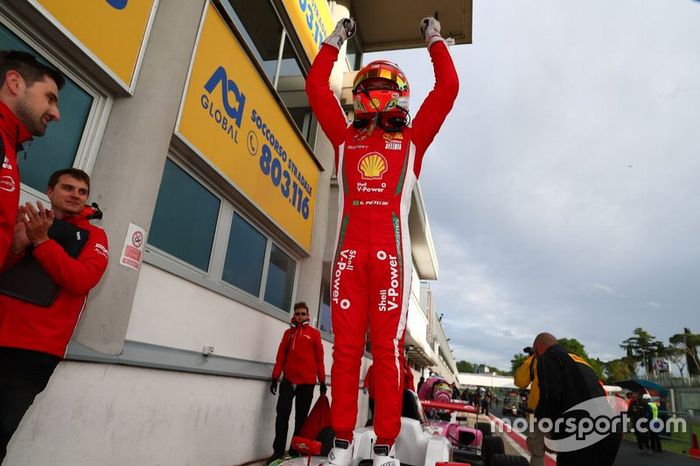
[668,380]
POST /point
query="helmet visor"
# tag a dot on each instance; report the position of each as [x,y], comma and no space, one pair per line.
[374,84]
[382,74]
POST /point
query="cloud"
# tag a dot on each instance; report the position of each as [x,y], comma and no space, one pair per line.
[602,288]
[562,189]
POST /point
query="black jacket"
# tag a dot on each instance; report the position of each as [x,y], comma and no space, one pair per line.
[564,383]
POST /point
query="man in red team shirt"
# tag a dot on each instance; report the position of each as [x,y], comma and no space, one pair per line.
[378,159]
[33,337]
[28,103]
[300,359]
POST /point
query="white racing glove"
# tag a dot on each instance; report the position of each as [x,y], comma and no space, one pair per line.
[344,30]
[430,30]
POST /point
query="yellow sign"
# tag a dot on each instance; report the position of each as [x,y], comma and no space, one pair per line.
[312,21]
[232,119]
[113,30]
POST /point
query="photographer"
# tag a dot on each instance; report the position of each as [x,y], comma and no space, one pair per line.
[526,375]
[566,380]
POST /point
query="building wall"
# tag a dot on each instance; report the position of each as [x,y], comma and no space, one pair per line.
[135,388]
[104,414]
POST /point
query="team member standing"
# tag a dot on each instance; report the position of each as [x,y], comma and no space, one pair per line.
[566,380]
[378,159]
[33,337]
[28,102]
[300,358]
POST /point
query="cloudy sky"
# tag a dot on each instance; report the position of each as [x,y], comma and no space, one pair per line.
[563,191]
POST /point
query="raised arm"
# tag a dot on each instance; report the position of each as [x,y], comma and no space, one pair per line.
[322,99]
[438,104]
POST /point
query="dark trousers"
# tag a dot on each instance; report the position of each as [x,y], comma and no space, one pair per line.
[602,453]
[304,394]
[654,441]
[484,407]
[642,439]
[23,375]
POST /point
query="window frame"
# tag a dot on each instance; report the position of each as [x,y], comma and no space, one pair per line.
[100,110]
[212,279]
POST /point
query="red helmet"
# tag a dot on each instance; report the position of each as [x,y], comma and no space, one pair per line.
[380,87]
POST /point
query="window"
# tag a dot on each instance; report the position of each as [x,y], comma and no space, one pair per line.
[353,54]
[185,218]
[190,230]
[280,279]
[305,121]
[245,256]
[58,148]
[262,31]
[289,66]
[324,312]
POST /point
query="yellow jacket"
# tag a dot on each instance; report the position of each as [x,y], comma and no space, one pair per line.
[526,373]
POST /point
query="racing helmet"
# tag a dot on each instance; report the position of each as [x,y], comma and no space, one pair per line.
[442,391]
[380,87]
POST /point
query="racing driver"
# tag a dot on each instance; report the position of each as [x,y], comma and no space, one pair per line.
[378,159]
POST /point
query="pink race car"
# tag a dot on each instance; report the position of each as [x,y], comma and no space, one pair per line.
[475,444]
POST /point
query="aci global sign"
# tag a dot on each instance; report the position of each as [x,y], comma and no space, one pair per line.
[230,122]
[233,120]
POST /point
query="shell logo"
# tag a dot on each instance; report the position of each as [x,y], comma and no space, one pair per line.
[372,166]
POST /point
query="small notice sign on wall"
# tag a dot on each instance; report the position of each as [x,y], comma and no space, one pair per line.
[134,244]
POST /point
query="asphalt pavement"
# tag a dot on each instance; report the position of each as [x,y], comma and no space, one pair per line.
[629,456]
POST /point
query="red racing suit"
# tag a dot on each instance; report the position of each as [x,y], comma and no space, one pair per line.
[300,355]
[369,380]
[13,134]
[372,270]
[49,329]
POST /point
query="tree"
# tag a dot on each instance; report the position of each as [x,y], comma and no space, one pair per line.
[573,346]
[688,343]
[677,357]
[466,367]
[517,361]
[619,369]
[642,347]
